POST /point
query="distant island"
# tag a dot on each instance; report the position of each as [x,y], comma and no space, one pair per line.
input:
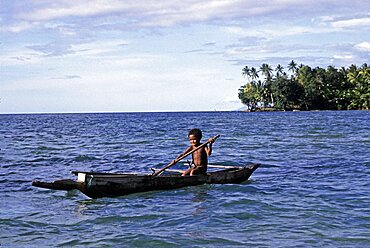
[304,88]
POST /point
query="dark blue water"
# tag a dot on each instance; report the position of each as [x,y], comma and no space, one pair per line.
[313,189]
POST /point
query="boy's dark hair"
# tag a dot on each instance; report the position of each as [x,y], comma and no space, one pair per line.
[196,132]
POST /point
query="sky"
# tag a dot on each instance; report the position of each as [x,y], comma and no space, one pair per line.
[62,56]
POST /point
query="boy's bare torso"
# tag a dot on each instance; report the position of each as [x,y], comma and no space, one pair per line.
[200,158]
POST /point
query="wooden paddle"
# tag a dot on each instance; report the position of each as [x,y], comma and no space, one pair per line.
[185,155]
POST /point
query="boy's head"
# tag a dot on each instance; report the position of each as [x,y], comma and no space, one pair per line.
[196,133]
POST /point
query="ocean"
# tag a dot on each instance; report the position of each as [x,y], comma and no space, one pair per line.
[312,189]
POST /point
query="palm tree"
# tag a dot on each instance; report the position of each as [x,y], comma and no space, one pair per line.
[292,66]
[353,68]
[359,92]
[266,71]
[365,71]
[246,72]
[352,77]
[279,70]
[254,73]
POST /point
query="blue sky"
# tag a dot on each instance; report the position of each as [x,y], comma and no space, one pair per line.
[125,56]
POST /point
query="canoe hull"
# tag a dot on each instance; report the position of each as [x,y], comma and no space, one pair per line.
[96,185]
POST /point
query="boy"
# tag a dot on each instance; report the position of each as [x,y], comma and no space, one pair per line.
[200,157]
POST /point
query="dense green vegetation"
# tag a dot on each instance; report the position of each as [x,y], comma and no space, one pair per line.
[305,88]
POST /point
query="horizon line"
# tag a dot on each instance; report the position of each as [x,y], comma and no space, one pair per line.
[119,112]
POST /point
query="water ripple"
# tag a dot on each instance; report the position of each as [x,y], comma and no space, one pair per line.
[312,189]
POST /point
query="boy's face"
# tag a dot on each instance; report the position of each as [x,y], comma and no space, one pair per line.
[194,141]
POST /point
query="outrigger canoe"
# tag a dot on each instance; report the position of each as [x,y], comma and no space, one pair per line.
[95,184]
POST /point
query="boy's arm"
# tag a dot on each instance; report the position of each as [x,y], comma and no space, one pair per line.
[186,151]
[209,148]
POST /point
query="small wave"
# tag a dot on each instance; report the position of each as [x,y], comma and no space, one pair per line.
[269,166]
[36,160]
[83,158]
[48,148]
[139,142]
[124,156]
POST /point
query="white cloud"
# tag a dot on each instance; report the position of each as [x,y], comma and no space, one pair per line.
[63,48]
[352,23]
[60,9]
[162,13]
[364,47]
[273,31]
[169,12]
[18,27]
[343,56]
[97,47]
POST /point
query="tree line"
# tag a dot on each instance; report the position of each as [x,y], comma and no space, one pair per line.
[305,88]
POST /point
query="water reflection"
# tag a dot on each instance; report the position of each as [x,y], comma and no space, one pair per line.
[200,195]
[84,206]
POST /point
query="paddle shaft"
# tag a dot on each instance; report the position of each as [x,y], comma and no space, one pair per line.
[185,155]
